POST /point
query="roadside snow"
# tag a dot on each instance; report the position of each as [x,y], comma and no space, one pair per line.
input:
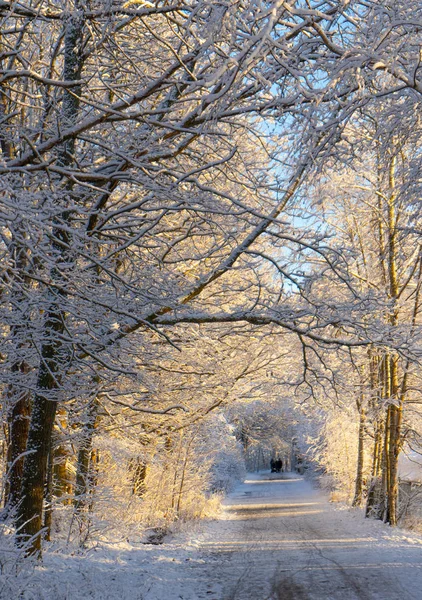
[410,466]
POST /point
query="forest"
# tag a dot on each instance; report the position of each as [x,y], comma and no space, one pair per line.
[210,254]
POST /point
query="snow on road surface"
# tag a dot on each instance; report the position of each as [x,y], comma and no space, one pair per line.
[278,538]
[282,540]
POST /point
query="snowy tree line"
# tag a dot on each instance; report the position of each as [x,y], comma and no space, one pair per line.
[202,204]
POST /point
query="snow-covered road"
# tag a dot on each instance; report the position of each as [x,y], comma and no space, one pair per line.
[278,538]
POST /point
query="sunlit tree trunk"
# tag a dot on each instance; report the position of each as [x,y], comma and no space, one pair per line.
[395,408]
[62,485]
[138,468]
[357,500]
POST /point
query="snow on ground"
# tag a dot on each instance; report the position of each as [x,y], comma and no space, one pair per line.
[278,538]
[410,466]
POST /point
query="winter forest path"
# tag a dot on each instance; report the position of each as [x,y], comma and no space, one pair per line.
[280,539]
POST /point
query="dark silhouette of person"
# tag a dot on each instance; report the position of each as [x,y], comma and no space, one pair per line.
[272,465]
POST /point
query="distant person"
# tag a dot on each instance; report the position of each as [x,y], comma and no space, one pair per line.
[272,465]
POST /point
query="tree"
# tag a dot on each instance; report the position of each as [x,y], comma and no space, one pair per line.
[198,83]
[138,141]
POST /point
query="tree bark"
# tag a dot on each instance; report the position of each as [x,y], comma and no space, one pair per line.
[394,417]
[53,352]
[29,520]
[357,500]
[17,396]
[84,475]
[18,427]
[48,514]
[62,485]
[139,469]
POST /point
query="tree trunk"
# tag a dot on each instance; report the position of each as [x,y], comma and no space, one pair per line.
[17,397]
[18,436]
[393,445]
[53,353]
[183,475]
[375,506]
[357,500]
[29,520]
[62,485]
[84,475]
[93,479]
[48,515]
[139,469]
[393,430]
[394,451]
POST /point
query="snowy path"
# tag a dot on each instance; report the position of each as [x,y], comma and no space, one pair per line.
[282,540]
[277,539]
